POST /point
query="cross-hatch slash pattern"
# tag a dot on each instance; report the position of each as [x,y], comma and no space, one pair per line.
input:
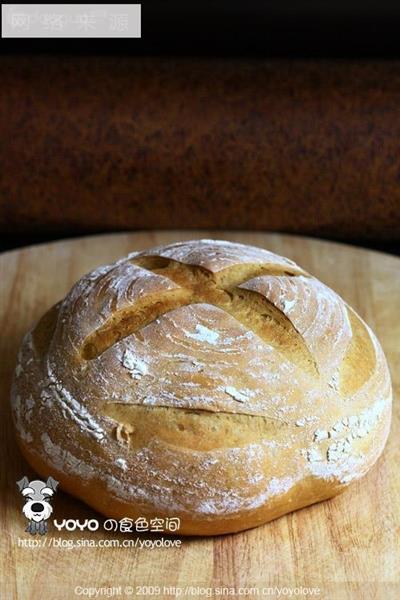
[198,285]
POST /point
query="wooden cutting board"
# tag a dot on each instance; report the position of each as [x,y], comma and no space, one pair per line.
[347,547]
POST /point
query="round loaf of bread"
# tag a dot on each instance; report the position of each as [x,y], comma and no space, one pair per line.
[206,380]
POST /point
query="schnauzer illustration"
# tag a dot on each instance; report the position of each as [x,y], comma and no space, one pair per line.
[37,508]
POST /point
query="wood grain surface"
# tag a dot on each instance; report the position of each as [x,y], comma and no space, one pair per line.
[347,547]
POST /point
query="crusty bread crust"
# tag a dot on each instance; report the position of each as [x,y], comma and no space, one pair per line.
[208,380]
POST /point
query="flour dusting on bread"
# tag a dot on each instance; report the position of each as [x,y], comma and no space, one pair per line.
[209,379]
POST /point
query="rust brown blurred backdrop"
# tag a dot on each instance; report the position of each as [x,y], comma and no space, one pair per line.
[114,143]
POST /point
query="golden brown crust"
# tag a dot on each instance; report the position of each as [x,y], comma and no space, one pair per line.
[208,380]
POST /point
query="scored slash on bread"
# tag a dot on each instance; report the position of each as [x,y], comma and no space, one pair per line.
[222,289]
[216,373]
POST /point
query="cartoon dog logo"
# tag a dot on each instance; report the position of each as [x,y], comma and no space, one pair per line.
[37,508]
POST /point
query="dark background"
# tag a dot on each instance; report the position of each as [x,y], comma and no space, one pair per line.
[277,28]
[278,116]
